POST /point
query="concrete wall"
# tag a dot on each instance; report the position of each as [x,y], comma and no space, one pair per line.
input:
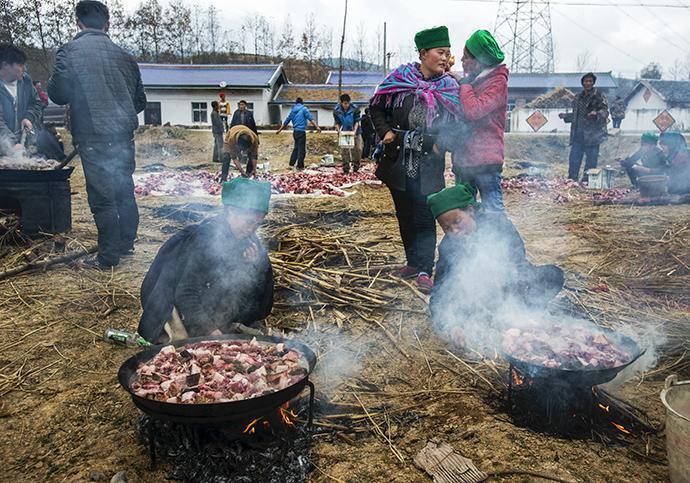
[636,120]
[176,104]
[322,114]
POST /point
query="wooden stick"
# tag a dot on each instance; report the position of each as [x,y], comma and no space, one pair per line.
[380,432]
[431,372]
[46,263]
[471,369]
[414,289]
[385,331]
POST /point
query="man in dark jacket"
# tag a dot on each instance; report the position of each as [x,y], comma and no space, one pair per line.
[647,160]
[483,274]
[217,129]
[588,126]
[214,277]
[368,135]
[244,117]
[617,111]
[20,106]
[102,84]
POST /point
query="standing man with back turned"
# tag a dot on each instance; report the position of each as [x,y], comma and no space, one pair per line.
[102,84]
[299,116]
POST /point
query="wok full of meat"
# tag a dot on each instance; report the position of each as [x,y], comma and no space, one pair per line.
[182,382]
[218,371]
[586,353]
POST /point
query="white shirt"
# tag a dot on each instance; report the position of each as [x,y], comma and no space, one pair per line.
[11,88]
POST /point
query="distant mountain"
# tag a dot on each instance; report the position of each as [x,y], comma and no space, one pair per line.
[349,64]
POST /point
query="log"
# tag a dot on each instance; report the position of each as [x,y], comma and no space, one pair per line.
[46,263]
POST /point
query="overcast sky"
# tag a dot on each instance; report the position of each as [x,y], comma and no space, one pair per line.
[621,39]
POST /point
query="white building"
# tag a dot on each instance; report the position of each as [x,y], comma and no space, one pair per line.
[320,99]
[650,98]
[181,94]
[648,101]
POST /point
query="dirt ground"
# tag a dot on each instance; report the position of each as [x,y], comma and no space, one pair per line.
[64,417]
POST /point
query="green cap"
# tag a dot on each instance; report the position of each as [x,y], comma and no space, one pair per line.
[459,196]
[247,193]
[432,38]
[483,47]
[649,137]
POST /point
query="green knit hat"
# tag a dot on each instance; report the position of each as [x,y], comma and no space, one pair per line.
[459,196]
[432,38]
[247,193]
[649,137]
[483,47]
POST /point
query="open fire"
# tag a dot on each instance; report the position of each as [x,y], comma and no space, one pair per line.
[557,407]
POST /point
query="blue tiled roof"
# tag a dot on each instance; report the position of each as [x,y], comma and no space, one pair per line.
[323,93]
[209,75]
[353,77]
[569,80]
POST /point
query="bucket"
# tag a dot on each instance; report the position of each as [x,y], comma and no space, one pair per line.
[347,139]
[676,398]
[653,186]
[328,160]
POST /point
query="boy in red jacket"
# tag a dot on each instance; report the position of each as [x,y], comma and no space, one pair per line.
[484,98]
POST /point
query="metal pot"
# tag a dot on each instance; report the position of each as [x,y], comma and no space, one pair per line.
[676,399]
[653,186]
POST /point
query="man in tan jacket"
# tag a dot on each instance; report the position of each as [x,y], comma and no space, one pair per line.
[241,146]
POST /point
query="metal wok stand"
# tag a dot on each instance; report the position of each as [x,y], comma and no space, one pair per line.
[211,421]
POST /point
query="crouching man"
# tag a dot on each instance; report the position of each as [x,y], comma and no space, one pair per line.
[483,276]
[647,160]
[214,277]
[241,145]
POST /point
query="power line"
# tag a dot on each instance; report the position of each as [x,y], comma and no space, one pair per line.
[596,35]
[653,32]
[589,4]
[666,25]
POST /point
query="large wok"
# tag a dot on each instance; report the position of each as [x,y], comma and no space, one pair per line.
[585,377]
[215,412]
[29,175]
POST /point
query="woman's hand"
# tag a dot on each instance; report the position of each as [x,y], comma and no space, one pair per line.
[216,332]
[251,253]
[389,137]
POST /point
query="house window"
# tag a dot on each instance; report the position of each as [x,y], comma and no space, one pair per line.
[200,112]
[315,114]
[250,106]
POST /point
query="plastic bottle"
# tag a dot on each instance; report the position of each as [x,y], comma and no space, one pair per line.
[123,337]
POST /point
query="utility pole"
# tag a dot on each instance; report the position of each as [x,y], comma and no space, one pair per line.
[342,43]
[385,71]
[523,30]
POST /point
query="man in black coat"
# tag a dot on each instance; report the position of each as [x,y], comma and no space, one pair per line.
[102,84]
[214,277]
[587,126]
[20,106]
[483,275]
[244,116]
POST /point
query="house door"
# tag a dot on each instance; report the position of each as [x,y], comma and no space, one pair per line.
[152,114]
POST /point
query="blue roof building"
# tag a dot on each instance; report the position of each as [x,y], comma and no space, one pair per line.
[182,93]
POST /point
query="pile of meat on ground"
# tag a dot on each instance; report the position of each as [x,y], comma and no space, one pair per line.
[218,371]
[572,347]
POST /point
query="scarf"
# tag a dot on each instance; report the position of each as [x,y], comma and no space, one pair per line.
[440,90]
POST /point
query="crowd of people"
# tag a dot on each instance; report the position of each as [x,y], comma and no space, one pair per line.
[216,277]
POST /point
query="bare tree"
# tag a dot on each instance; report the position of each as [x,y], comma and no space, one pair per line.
[361,52]
[147,20]
[680,69]
[585,62]
[213,29]
[286,43]
[198,27]
[178,22]
[12,31]
[310,47]
[261,35]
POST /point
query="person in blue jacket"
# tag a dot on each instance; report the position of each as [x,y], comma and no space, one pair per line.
[299,116]
[347,117]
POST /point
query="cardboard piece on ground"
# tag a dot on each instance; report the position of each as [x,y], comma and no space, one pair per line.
[445,465]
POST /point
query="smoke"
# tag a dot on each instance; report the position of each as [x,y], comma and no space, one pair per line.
[486,285]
